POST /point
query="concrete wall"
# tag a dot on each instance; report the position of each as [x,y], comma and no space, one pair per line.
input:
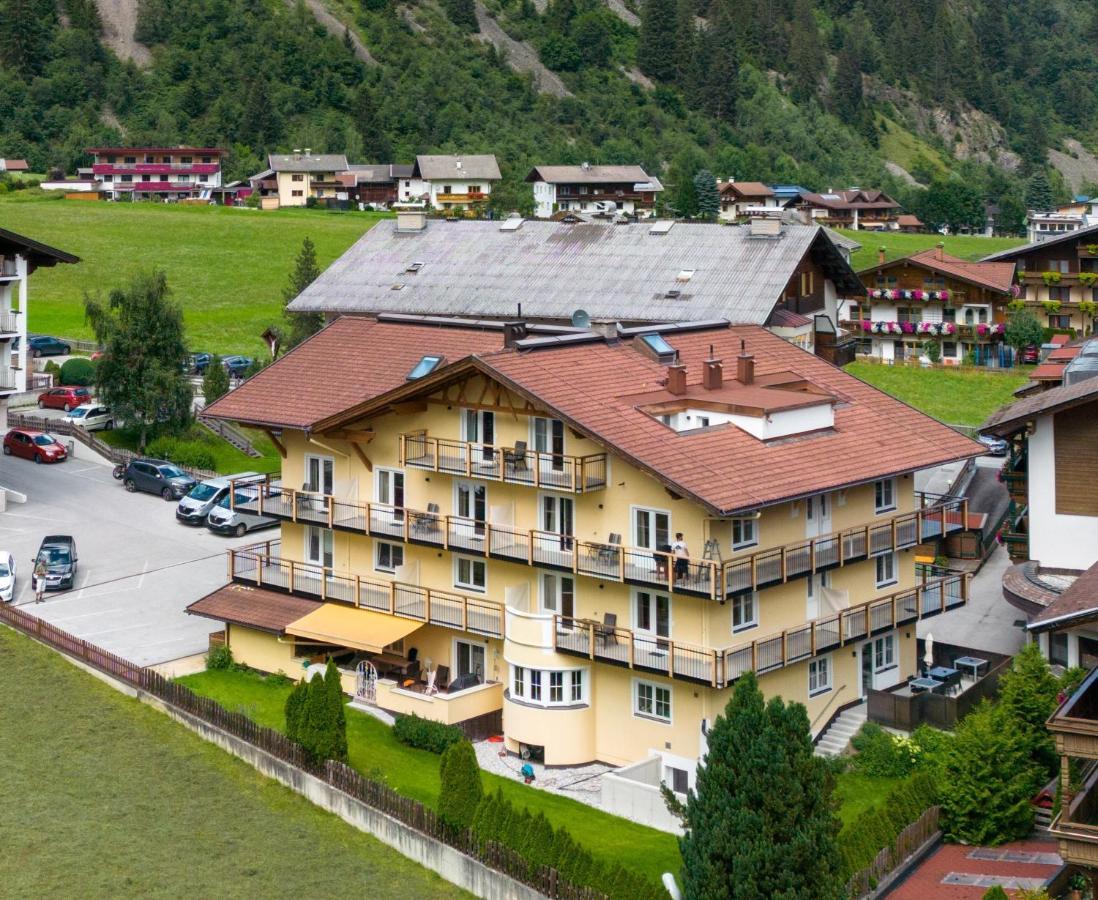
[633,792]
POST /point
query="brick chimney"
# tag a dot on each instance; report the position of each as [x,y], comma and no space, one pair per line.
[880,256]
[676,379]
[713,373]
[745,366]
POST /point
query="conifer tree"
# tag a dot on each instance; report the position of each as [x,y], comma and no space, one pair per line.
[461,790]
[306,271]
[686,45]
[314,718]
[1028,694]
[656,42]
[215,380]
[1039,191]
[709,200]
[807,60]
[294,708]
[463,13]
[336,743]
[846,88]
[718,75]
[760,822]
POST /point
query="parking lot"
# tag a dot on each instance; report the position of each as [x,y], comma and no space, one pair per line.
[138,568]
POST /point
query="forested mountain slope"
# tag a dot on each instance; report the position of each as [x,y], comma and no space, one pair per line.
[967,97]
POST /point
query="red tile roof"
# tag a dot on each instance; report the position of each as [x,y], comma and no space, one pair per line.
[786,318]
[907,220]
[1059,338]
[1048,372]
[996,276]
[1064,353]
[254,607]
[875,435]
[352,360]
[16,165]
[746,189]
[1078,601]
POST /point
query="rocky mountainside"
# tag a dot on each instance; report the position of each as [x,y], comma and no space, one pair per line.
[941,102]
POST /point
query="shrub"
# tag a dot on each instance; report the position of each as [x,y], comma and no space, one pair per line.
[294,708]
[461,790]
[335,736]
[78,371]
[996,892]
[215,381]
[425,734]
[1027,694]
[861,840]
[220,658]
[51,368]
[190,454]
[932,350]
[879,753]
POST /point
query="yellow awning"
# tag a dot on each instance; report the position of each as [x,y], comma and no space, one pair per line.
[351,627]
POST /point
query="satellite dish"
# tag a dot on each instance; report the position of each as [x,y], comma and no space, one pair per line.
[581,319]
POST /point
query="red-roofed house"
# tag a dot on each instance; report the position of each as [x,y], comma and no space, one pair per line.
[156,173]
[586,541]
[741,199]
[932,295]
[13,165]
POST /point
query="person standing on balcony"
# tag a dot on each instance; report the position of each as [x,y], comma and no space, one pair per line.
[682,556]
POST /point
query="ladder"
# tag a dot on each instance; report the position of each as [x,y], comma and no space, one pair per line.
[712,550]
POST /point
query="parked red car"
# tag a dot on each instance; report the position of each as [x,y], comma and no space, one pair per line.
[65,398]
[36,445]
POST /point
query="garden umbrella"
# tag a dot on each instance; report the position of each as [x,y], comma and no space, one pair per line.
[928,656]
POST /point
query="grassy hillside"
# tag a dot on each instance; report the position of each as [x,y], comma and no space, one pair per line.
[897,245]
[113,799]
[227,267]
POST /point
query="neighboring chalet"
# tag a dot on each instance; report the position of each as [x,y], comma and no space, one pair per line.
[1059,278]
[19,257]
[1052,528]
[476,521]
[155,173]
[744,199]
[909,224]
[456,183]
[13,165]
[598,190]
[855,209]
[379,185]
[292,178]
[932,295]
[658,271]
[1041,225]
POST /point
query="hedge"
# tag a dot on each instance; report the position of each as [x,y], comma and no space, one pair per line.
[192,454]
[425,734]
[78,371]
[861,841]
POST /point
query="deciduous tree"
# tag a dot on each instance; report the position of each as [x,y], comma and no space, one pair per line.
[1023,330]
[141,373]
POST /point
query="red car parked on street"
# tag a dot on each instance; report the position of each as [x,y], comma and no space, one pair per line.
[36,445]
[65,398]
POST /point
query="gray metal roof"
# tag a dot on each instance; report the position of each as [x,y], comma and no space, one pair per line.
[588,174]
[432,168]
[614,272]
[298,162]
[1015,252]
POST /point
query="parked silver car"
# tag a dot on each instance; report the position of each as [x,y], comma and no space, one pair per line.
[205,495]
[91,417]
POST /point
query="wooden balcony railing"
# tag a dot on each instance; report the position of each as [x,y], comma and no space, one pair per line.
[612,562]
[720,667]
[262,566]
[556,471]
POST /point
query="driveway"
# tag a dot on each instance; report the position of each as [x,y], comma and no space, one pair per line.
[138,567]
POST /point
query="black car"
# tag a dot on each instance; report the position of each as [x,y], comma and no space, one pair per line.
[42,345]
[59,553]
[198,363]
[237,365]
[157,476]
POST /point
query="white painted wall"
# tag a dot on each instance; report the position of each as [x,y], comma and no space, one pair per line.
[1057,541]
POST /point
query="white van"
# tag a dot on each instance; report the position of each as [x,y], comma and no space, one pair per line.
[224,520]
[205,495]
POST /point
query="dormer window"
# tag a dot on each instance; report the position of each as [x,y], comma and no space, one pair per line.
[663,351]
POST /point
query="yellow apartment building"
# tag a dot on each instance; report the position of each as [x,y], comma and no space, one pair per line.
[580,543]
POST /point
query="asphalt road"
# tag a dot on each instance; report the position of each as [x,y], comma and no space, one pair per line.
[138,567]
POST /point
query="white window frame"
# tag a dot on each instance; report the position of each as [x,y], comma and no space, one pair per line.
[893,577]
[737,603]
[327,536]
[653,511]
[745,524]
[387,476]
[522,681]
[392,548]
[322,461]
[483,645]
[652,716]
[653,613]
[473,562]
[884,653]
[819,683]
[885,485]
[558,592]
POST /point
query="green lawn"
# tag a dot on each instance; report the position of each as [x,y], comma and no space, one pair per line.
[228,459]
[414,773]
[106,797]
[957,396]
[897,245]
[227,267]
[857,793]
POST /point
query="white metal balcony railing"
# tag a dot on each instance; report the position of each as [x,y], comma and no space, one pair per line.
[609,561]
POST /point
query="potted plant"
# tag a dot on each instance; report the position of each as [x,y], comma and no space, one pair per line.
[1051,306]
[1076,885]
[1051,278]
[1088,279]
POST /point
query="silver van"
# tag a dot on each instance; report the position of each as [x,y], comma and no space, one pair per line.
[204,496]
[224,520]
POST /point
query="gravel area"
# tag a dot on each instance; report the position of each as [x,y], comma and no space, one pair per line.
[583,783]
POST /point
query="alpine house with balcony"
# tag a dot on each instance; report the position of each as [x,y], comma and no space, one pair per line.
[931,295]
[156,173]
[19,257]
[602,190]
[581,542]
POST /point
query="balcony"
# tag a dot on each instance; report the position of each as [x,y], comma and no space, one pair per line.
[558,472]
[9,323]
[261,565]
[611,562]
[472,197]
[720,667]
[1075,728]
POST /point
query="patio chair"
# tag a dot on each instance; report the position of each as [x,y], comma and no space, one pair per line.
[442,677]
[429,524]
[516,459]
[608,552]
[606,634]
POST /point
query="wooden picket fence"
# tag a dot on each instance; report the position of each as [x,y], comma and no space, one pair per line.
[891,858]
[411,813]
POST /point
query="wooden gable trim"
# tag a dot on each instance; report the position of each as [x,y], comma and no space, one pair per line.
[278,445]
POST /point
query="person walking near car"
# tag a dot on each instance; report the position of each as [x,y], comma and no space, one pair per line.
[682,556]
[40,572]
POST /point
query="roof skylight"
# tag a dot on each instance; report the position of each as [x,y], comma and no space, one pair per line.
[424,367]
[664,352]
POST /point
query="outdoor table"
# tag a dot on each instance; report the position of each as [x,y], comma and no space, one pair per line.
[947,676]
[971,662]
[918,685]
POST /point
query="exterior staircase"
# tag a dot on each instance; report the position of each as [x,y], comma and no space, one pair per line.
[227,432]
[838,734]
